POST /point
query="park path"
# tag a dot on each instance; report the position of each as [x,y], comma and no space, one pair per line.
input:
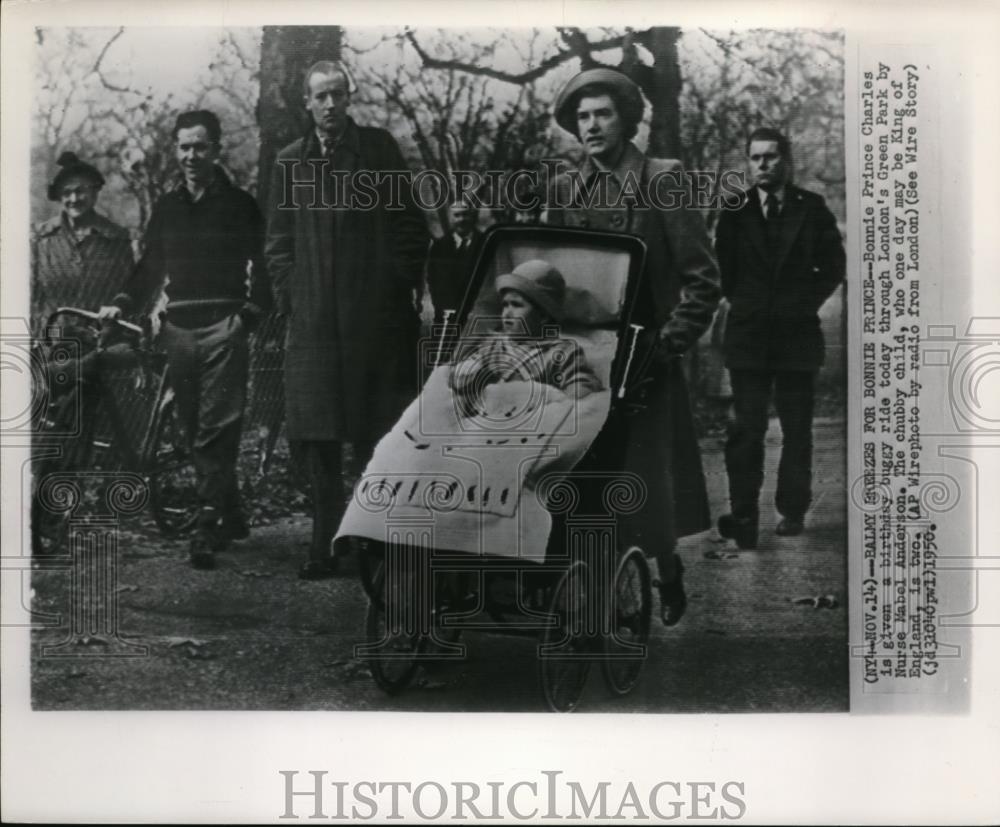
[250,635]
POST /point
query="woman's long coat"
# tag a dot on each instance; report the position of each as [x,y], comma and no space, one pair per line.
[71,271]
[346,276]
[678,298]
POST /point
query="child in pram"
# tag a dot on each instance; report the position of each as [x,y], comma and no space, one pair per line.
[532,297]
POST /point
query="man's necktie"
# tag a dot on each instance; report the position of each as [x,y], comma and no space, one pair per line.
[772,212]
[771,208]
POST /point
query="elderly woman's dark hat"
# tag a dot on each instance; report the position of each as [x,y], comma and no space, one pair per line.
[70,165]
[627,94]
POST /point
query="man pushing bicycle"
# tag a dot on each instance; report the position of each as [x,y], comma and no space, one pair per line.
[205,241]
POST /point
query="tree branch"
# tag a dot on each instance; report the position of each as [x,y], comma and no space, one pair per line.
[581,48]
[100,58]
[729,51]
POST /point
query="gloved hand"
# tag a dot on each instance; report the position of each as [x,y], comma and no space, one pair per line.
[251,316]
[665,351]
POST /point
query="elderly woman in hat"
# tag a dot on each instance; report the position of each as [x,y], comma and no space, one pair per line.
[79,257]
[679,293]
[532,296]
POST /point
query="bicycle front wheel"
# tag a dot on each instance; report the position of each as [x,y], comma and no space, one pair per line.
[173,493]
[68,432]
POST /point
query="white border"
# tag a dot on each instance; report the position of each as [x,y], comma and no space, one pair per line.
[223,767]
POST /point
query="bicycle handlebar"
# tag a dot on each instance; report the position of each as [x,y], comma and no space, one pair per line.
[90,316]
[198,304]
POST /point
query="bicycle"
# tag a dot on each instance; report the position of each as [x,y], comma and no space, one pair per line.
[88,426]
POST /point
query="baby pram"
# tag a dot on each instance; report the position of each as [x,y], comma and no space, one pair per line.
[506,518]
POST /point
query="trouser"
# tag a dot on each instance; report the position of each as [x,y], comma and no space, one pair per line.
[208,372]
[793,392]
[322,462]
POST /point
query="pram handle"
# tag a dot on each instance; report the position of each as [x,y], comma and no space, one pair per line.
[638,375]
[201,304]
[636,330]
[445,328]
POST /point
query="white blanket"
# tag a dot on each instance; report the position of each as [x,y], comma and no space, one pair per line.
[471,484]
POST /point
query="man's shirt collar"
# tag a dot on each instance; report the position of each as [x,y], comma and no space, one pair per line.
[220,181]
[779,194]
[349,139]
[326,144]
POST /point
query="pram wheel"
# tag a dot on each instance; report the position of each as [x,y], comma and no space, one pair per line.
[630,608]
[371,561]
[395,641]
[566,651]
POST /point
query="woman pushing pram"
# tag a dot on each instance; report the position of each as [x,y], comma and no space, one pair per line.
[509,469]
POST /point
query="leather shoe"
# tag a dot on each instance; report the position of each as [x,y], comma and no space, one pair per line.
[322,569]
[234,525]
[673,598]
[200,554]
[210,531]
[741,529]
[789,527]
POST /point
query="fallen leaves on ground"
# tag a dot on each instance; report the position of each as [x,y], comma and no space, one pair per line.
[713,554]
[826,601]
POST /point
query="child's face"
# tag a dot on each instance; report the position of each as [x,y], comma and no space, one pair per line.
[519,315]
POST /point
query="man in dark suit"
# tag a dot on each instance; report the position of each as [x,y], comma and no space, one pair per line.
[450,260]
[780,256]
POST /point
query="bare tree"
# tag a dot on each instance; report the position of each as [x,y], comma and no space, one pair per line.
[126,130]
[660,81]
[792,80]
[453,118]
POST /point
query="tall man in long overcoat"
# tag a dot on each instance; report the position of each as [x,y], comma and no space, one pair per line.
[678,297]
[781,257]
[345,267]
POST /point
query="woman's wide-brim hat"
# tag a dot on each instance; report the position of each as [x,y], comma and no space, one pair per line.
[630,102]
[539,282]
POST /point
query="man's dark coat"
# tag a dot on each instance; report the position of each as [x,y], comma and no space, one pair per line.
[449,270]
[347,277]
[775,293]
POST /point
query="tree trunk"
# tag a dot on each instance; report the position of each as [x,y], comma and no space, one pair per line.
[286,53]
[664,91]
